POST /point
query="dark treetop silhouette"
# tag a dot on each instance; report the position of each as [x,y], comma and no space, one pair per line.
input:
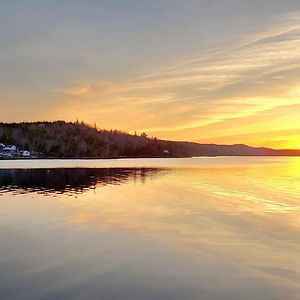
[77,140]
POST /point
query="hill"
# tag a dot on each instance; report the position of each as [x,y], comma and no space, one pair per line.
[60,139]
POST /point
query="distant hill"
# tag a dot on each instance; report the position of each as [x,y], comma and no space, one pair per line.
[60,139]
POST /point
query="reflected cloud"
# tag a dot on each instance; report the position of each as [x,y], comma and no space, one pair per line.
[234,222]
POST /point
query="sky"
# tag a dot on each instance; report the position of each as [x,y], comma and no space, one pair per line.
[209,71]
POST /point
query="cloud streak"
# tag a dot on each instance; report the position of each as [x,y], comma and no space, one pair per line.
[184,70]
[258,75]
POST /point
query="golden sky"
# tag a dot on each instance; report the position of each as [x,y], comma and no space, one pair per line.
[218,71]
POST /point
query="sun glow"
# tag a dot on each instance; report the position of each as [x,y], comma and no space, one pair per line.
[244,89]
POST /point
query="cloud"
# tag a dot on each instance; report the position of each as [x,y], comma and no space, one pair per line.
[77,91]
[258,75]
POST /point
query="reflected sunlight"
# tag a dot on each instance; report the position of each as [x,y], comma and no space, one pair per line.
[228,217]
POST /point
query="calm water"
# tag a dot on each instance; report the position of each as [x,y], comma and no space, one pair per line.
[201,228]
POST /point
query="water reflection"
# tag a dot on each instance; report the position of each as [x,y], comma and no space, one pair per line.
[227,232]
[67,181]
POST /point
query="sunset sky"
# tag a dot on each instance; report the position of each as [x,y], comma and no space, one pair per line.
[211,71]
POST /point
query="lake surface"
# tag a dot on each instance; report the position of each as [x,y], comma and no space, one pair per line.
[199,228]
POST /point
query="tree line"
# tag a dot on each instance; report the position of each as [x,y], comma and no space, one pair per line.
[77,139]
[62,139]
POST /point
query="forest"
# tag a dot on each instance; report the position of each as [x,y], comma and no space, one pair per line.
[62,139]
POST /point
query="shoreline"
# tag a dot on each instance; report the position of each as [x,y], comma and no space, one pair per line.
[155,163]
[136,158]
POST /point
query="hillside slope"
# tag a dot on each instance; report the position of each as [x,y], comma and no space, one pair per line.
[71,140]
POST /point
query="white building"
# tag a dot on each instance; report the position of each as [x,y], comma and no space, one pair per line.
[10,148]
[166,152]
[26,153]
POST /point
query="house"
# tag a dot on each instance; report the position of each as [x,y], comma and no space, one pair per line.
[166,152]
[10,148]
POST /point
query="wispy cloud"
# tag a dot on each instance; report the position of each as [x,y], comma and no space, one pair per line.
[258,75]
[77,91]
